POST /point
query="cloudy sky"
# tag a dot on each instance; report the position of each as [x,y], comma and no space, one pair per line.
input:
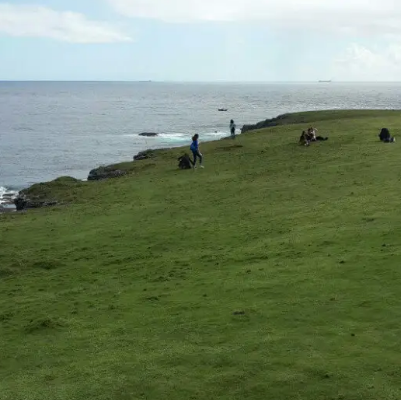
[201,40]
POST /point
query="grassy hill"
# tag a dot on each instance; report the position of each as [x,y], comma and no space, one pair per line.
[274,273]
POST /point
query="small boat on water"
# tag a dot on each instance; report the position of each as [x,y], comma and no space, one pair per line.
[222,109]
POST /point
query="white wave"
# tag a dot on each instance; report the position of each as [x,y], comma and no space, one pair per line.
[135,135]
[173,136]
[215,133]
[188,136]
[6,195]
[162,137]
[178,138]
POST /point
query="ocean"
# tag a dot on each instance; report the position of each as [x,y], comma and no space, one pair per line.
[52,129]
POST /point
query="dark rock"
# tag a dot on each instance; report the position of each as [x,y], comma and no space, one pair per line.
[268,123]
[40,204]
[44,194]
[24,203]
[144,155]
[101,173]
[20,203]
[66,180]
[149,134]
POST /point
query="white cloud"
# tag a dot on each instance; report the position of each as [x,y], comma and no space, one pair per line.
[359,63]
[361,16]
[37,21]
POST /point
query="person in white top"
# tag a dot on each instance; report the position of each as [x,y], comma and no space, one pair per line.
[232,129]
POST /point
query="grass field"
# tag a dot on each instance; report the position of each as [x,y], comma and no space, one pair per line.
[274,273]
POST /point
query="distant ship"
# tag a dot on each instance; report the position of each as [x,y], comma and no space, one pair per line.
[328,81]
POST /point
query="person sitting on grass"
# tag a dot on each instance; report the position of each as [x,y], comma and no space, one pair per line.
[195,151]
[310,136]
[385,136]
[184,162]
[304,139]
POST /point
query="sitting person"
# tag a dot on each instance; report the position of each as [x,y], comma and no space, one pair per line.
[304,139]
[185,162]
[385,136]
[310,136]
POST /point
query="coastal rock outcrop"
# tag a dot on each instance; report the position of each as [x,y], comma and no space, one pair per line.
[46,194]
[24,203]
[144,155]
[101,173]
[268,123]
[149,134]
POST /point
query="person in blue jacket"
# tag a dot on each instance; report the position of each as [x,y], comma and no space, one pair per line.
[195,151]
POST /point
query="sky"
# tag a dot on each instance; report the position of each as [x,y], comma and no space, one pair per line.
[201,40]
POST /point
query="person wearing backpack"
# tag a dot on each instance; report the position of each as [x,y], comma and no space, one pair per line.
[195,151]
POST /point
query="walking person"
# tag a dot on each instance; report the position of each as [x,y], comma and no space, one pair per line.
[232,129]
[195,151]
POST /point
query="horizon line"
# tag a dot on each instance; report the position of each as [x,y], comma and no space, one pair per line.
[188,81]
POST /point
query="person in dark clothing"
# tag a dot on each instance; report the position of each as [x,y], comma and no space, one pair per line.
[310,136]
[232,129]
[304,139]
[185,162]
[385,136]
[195,151]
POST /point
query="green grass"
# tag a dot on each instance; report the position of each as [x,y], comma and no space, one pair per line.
[313,116]
[274,273]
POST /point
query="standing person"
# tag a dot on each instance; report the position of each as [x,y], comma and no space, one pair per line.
[195,151]
[232,129]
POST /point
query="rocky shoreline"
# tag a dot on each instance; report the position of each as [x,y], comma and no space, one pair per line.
[31,198]
[25,200]
[35,196]
[267,123]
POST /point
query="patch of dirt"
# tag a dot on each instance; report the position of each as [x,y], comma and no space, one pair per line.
[47,265]
[230,148]
[45,324]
